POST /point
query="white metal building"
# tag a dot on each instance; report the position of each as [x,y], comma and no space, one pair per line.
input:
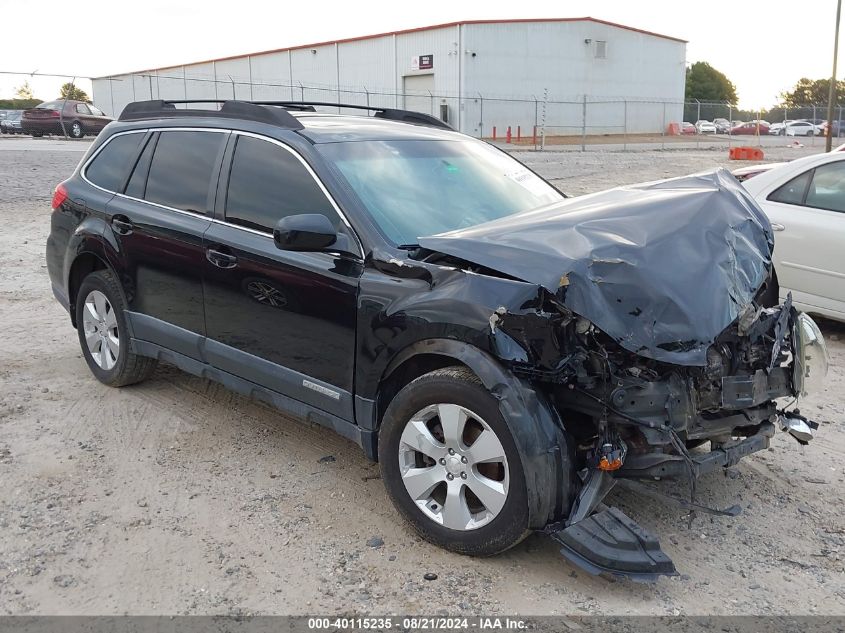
[566,75]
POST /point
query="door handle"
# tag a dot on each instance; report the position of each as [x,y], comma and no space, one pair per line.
[221,259]
[776,226]
[121,225]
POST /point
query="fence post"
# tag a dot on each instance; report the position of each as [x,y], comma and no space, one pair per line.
[481,115]
[730,122]
[625,125]
[367,92]
[64,105]
[584,124]
[663,129]
[536,109]
[813,142]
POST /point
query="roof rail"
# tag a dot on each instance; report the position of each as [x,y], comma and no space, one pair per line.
[262,112]
[233,109]
[393,114]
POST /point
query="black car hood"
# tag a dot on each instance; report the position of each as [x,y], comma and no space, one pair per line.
[662,267]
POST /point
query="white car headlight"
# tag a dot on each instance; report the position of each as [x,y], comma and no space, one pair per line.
[811,356]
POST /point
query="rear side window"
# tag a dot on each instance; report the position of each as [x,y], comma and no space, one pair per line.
[268,183]
[111,166]
[793,191]
[181,170]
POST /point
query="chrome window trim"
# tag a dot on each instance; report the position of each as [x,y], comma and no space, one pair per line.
[329,197]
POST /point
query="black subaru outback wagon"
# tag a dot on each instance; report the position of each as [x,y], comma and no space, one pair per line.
[505,353]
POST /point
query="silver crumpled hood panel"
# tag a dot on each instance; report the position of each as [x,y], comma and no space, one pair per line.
[662,267]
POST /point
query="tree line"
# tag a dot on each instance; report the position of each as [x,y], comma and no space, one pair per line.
[710,87]
[24,97]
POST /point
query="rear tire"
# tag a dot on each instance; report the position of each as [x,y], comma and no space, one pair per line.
[450,472]
[37,134]
[104,335]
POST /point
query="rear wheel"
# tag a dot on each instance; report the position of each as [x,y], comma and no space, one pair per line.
[37,134]
[103,333]
[451,466]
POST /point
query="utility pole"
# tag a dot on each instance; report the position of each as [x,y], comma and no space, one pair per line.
[831,97]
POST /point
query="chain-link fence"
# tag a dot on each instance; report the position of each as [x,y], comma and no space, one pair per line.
[528,120]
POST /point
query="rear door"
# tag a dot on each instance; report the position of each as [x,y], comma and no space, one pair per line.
[808,215]
[157,225]
[281,319]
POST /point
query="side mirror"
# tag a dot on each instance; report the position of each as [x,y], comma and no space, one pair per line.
[304,232]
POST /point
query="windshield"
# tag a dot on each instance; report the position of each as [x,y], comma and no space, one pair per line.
[423,187]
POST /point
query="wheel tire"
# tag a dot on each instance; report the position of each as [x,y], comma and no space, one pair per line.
[127,368]
[37,134]
[76,130]
[459,386]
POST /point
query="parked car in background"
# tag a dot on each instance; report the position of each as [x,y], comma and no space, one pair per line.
[838,128]
[723,126]
[751,128]
[11,124]
[778,128]
[805,202]
[687,128]
[705,127]
[800,128]
[79,119]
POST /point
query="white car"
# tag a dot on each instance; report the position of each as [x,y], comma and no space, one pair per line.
[776,129]
[705,127]
[805,202]
[800,128]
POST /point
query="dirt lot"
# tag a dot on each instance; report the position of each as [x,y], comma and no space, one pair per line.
[177,496]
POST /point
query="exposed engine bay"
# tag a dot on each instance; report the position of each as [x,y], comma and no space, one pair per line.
[651,337]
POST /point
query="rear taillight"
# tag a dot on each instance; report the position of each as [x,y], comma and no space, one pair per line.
[54,114]
[59,196]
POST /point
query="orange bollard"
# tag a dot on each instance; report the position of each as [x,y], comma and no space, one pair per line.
[509,135]
[494,132]
[534,136]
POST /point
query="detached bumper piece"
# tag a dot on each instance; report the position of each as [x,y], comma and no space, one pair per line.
[612,543]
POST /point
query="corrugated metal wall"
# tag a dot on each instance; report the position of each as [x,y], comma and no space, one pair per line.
[500,74]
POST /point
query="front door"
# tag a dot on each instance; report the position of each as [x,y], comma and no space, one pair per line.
[281,319]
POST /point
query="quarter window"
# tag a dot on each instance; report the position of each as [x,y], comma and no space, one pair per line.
[182,168]
[268,183]
[111,166]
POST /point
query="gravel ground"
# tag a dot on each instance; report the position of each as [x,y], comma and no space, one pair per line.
[179,497]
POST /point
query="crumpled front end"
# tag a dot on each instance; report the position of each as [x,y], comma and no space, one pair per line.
[654,329]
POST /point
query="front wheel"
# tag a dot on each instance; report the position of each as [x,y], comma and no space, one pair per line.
[451,466]
[103,333]
[76,130]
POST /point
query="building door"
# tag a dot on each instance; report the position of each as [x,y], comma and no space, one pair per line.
[418,90]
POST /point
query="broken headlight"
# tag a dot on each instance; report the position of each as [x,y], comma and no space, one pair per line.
[811,357]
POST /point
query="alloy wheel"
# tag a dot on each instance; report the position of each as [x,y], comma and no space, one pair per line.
[453,466]
[99,324]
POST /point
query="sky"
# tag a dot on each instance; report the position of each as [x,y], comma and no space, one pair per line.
[763,56]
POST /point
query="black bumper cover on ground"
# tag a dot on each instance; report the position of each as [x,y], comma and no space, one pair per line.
[610,542]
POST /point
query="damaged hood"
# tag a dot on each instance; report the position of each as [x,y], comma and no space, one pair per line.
[661,267]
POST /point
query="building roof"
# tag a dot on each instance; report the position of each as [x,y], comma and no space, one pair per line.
[402,32]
